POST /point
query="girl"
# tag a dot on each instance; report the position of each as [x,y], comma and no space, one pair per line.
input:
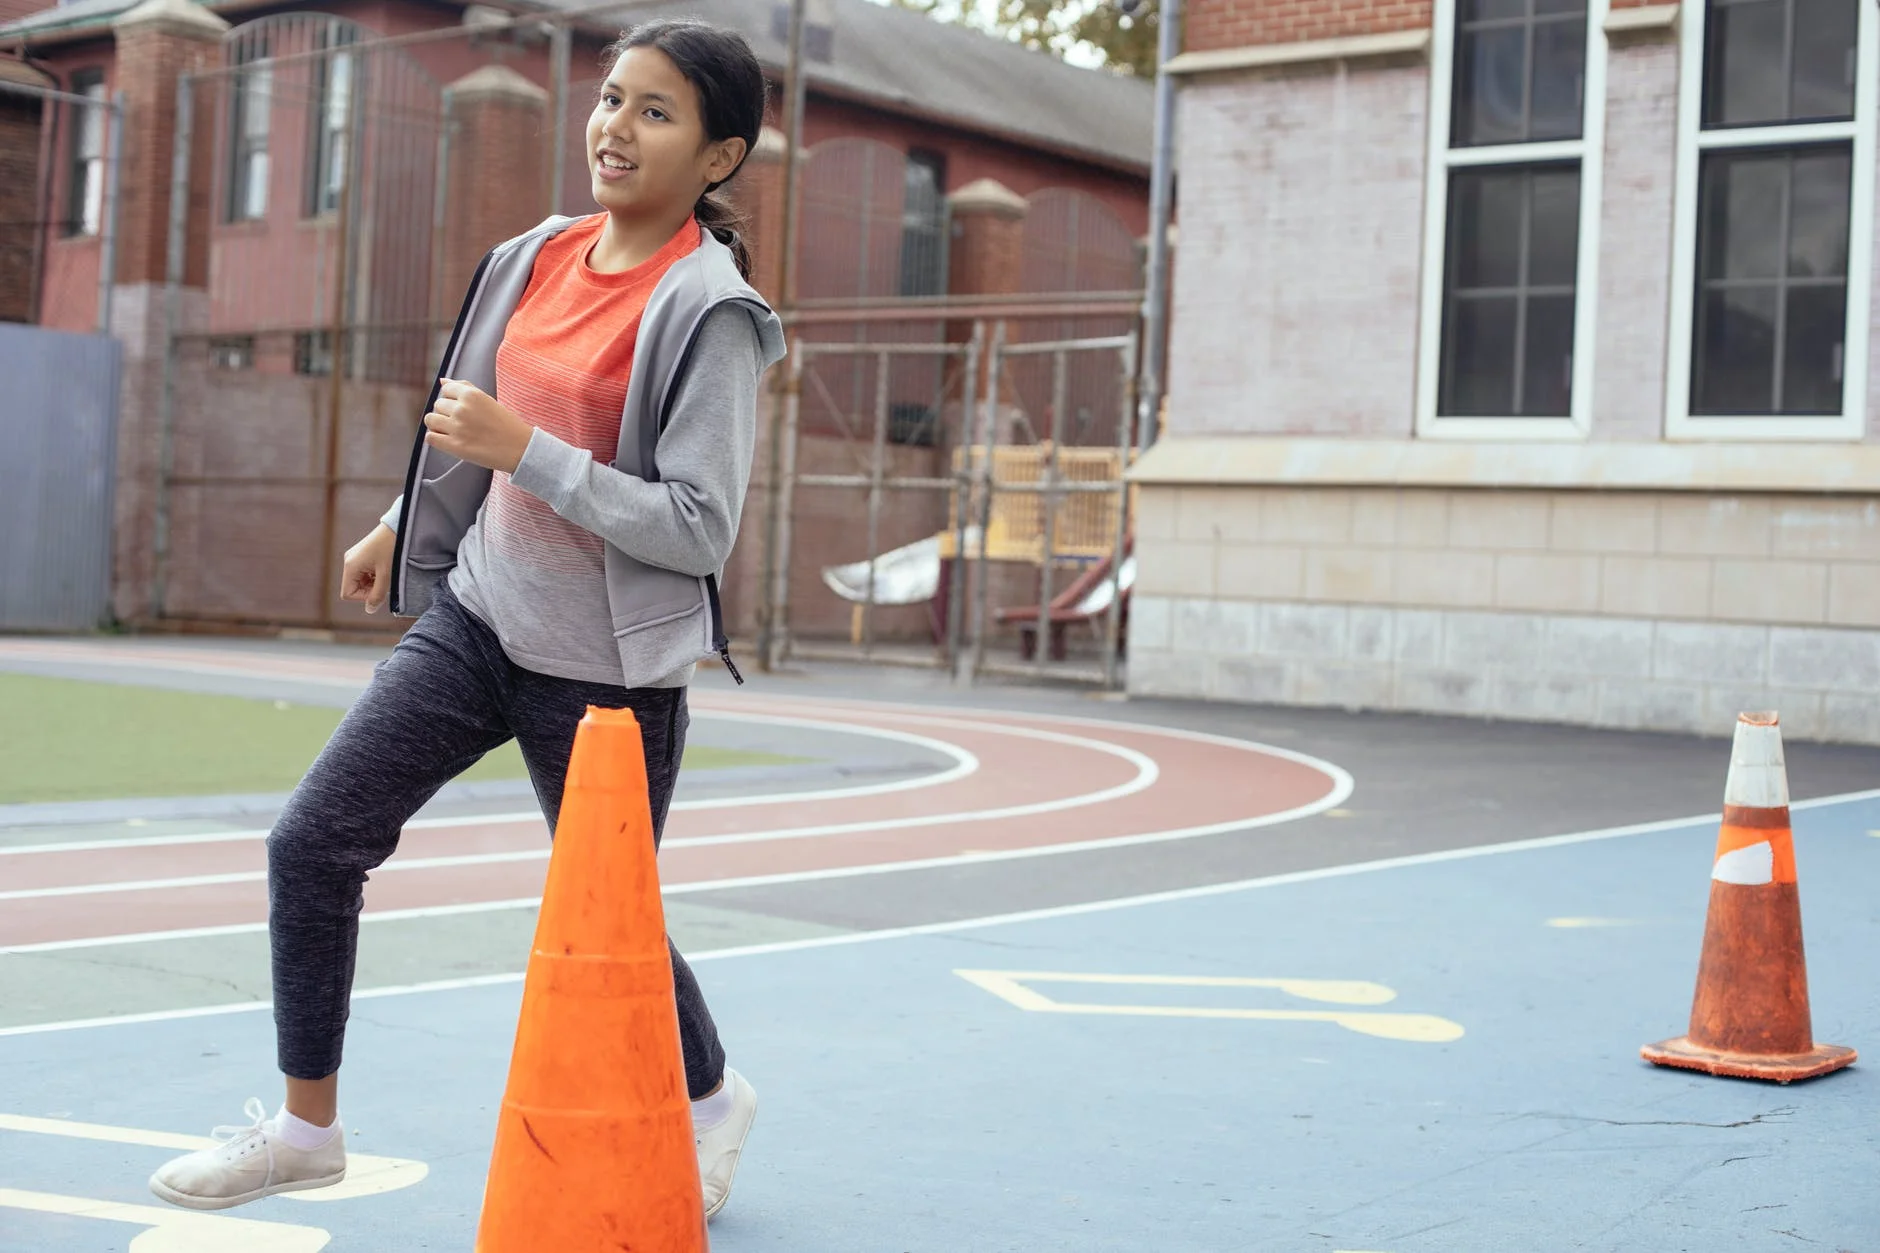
[560,548]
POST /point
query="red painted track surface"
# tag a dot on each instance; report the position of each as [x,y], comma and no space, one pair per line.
[1040,784]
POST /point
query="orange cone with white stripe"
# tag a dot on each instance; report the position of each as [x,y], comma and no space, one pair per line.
[1750,1018]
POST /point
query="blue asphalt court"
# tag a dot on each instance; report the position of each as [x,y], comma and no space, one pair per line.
[1431,1054]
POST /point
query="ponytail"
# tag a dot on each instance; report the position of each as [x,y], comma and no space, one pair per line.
[728,224]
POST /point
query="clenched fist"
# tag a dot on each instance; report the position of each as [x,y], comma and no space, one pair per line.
[468,423]
[368,572]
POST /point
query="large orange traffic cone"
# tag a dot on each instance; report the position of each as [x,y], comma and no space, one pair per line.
[594,1145]
[1750,1018]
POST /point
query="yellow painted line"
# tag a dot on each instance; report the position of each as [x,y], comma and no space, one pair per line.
[1575,924]
[175,1230]
[1012,986]
[365,1175]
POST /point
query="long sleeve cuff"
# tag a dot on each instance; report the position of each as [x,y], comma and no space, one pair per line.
[391,515]
[551,469]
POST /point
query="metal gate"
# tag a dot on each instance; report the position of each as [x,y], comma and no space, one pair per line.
[59,427]
[1007,526]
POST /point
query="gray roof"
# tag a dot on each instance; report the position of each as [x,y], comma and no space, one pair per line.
[893,56]
[902,58]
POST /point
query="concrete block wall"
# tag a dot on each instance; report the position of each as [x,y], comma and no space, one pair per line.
[1646,610]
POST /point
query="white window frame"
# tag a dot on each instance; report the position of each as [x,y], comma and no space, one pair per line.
[1589,151]
[1693,141]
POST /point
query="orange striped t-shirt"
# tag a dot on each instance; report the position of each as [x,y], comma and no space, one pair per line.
[563,367]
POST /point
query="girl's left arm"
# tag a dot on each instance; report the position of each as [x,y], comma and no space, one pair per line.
[688,520]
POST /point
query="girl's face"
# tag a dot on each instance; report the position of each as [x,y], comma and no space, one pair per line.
[647,148]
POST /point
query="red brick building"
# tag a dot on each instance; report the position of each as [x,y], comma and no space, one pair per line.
[1522,363]
[349,163]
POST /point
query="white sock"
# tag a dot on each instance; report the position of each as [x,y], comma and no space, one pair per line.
[301,1134]
[709,1111]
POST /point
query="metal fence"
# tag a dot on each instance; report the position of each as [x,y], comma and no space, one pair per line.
[327,211]
[990,534]
[344,218]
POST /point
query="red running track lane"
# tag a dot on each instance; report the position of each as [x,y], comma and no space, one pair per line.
[1043,784]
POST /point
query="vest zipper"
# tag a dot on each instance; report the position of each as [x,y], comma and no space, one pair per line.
[719,640]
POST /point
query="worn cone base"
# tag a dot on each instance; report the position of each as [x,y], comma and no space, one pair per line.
[1774,1067]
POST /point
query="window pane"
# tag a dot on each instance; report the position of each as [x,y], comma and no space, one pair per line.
[254,194]
[1735,351]
[1491,87]
[254,106]
[338,92]
[1746,77]
[1554,237]
[1814,341]
[92,220]
[1485,210]
[91,128]
[1490,10]
[1556,8]
[1821,190]
[1559,79]
[1740,215]
[1547,369]
[1478,370]
[1824,59]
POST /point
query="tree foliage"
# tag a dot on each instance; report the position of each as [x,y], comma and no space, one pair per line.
[1086,31]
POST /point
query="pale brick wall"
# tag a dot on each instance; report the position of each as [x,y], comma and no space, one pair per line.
[1295,287]
[1654,610]
[1635,240]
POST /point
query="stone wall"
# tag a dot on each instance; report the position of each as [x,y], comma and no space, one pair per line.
[1643,609]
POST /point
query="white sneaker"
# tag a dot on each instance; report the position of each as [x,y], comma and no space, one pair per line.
[720,1146]
[250,1162]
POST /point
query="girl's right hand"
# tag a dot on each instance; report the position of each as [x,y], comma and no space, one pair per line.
[368,572]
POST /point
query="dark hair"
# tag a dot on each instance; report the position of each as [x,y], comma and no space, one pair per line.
[732,95]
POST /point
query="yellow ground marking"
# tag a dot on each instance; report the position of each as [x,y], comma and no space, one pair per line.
[174,1230]
[1011,986]
[1338,813]
[1572,924]
[365,1175]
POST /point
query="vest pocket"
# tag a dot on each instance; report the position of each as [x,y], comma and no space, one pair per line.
[646,596]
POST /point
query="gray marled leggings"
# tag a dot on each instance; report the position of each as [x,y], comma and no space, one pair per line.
[446,696]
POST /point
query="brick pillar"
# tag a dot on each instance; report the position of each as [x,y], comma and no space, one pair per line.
[986,253]
[20,184]
[157,41]
[498,168]
[985,256]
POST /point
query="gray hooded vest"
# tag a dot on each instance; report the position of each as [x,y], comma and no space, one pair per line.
[663,620]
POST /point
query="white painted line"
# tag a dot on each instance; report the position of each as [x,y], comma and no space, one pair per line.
[993,920]
[366,1174]
[964,764]
[174,1230]
[252,928]
[1147,772]
[1332,798]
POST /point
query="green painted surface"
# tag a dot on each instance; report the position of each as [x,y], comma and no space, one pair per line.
[64,740]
